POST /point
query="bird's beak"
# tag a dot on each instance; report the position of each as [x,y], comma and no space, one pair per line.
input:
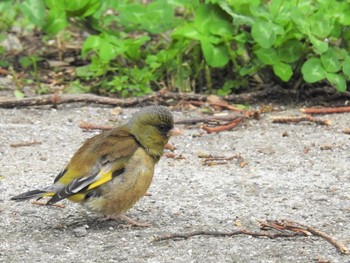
[175,132]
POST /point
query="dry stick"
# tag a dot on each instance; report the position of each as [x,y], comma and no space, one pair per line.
[325,110]
[346,131]
[245,113]
[22,144]
[223,234]
[230,117]
[56,99]
[221,128]
[285,225]
[222,105]
[221,158]
[89,126]
[217,160]
[44,204]
[296,119]
[341,247]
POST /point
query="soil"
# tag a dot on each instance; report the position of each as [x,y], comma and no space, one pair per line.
[297,171]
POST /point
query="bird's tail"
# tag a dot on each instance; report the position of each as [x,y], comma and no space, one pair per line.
[32,194]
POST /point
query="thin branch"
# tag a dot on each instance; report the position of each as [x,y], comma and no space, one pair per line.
[325,110]
[297,119]
[208,119]
[211,160]
[223,234]
[217,104]
[346,131]
[158,97]
[285,228]
[89,126]
[221,128]
[56,99]
[23,144]
[316,232]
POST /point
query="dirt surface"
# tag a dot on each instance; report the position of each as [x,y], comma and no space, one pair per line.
[302,176]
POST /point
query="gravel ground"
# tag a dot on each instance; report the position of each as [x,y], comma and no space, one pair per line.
[302,176]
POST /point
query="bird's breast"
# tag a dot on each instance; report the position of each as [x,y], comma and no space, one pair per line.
[125,190]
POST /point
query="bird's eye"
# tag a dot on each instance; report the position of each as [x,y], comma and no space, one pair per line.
[163,129]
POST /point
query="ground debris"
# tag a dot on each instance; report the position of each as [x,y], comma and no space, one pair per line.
[284,228]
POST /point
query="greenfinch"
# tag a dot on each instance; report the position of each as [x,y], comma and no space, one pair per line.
[111,171]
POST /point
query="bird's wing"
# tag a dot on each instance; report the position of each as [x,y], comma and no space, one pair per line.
[98,160]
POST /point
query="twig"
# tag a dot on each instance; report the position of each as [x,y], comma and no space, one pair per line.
[285,228]
[211,160]
[296,119]
[22,144]
[316,232]
[89,126]
[56,99]
[325,110]
[346,131]
[44,204]
[217,104]
[223,234]
[163,97]
[208,119]
[221,128]
[174,156]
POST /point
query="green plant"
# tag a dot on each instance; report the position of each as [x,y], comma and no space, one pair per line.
[32,61]
[202,46]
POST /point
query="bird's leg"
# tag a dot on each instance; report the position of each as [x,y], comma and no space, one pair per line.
[130,222]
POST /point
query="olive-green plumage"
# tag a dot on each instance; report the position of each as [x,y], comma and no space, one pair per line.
[113,170]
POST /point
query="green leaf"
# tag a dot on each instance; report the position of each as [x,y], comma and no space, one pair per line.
[300,20]
[345,17]
[346,66]
[155,17]
[188,31]
[107,51]
[290,51]
[239,17]
[157,11]
[319,46]
[267,56]
[81,8]
[77,88]
[320,24]
[133,47]
[215,55]
[338,81]
[56,21]
[18,94]
[313,71]
[263,33]
[330,61]
[54,4]
[34,10]
[283,71]
[207,16]
[91,43]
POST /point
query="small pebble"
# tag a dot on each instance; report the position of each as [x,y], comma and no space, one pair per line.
[80,231]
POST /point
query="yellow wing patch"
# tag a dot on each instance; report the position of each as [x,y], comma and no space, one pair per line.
[106,177]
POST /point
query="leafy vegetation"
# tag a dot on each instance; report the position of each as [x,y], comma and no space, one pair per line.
[212,46]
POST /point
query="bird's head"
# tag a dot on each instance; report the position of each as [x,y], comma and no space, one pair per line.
[152,127]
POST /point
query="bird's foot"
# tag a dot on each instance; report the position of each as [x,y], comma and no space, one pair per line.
[130,222]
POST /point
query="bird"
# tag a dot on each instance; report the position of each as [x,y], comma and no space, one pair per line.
[111,171]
